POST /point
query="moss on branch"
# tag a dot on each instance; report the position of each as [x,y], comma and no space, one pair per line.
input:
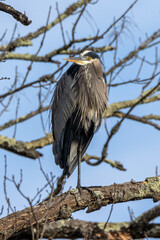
[19,147]
[73,201]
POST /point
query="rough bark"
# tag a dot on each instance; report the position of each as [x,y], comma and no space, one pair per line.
[16,14]
[19,147]
[73,229]
[62,207]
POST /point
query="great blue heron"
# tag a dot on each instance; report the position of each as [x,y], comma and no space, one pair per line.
[79,99]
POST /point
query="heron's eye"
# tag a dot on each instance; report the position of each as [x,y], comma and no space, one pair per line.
[89,58]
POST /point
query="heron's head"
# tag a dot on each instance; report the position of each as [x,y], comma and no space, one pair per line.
[86,57]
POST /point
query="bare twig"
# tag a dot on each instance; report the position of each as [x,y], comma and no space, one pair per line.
[115,128]
[41,44]
[62,31]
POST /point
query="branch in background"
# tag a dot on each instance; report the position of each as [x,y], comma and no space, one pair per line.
[26,43]
[24,118]
[101,36]
[73,229]
[66,51]
[69,11]
[144,95]
[28,149]
[114,107]
[62,207]
[152,116]
[28,57]
[44,78]
[138,119]
[20,17]
[18,147]
[60,184]
[114,164]
[132,54]
[110,111]
[39,143]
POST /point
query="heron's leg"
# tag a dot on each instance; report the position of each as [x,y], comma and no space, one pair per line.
[79,166]
[79,171]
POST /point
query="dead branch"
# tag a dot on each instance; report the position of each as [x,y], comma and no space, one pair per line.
[16,14]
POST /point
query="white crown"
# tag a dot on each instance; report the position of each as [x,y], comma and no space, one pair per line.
[84,53]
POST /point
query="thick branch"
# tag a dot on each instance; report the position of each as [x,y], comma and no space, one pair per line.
[28,57]
[16,14]
[62,207]
[19,147]
[74,229]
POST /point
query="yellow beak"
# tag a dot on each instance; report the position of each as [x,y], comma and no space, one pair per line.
[78,60]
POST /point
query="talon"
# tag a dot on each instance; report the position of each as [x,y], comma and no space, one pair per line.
[86,188]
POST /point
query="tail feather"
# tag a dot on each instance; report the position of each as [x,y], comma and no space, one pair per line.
[66,151]
[73,160]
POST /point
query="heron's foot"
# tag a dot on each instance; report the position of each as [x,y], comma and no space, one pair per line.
[85,188]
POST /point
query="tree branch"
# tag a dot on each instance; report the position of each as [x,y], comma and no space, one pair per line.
[114,107]
[69,11]
[19,147]
[138,119]
[41,142]
[62,207]
[24,118]
[16,14]
[114,164]
[133,53]
[73,229]
[28,57]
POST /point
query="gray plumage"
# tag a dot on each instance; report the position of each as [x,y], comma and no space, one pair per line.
[80,98]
